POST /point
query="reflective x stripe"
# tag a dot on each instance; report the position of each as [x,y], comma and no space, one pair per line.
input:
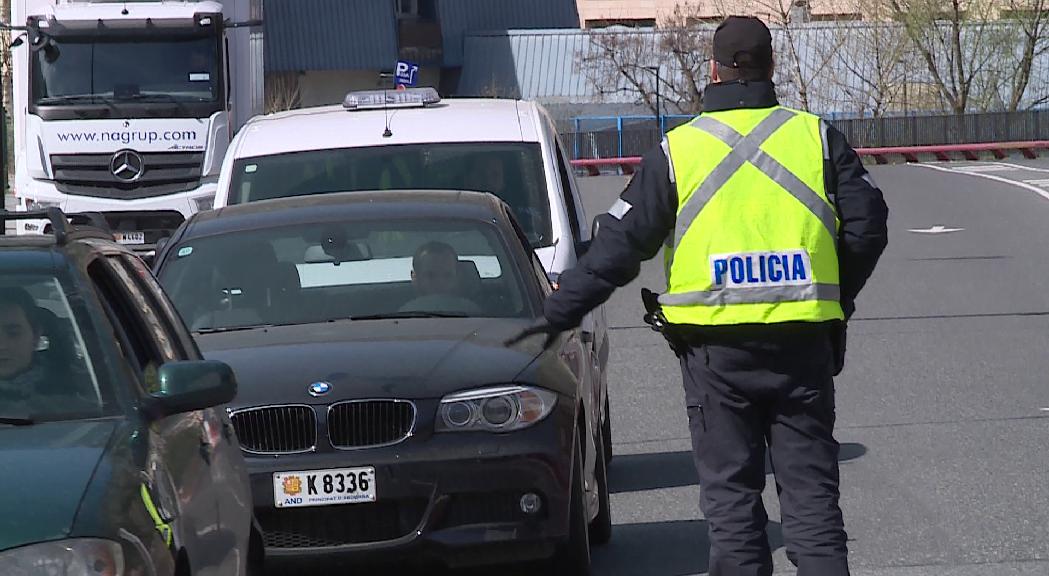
[754,295]
[748,149]
[665,145]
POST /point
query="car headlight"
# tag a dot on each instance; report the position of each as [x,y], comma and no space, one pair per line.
[496,409]
[74,557]
[204,202]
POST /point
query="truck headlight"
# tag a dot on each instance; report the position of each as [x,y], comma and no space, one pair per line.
[204,202]
[495,409]
[36,205]
[74,557]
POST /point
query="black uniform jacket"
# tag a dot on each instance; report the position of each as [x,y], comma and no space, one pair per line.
[625,240]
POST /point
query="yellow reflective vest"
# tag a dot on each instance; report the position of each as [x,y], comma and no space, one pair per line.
[756,236]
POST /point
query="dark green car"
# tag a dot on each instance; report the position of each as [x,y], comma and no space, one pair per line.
[117,458]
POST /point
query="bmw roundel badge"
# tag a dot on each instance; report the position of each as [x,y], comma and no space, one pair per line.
[319,388]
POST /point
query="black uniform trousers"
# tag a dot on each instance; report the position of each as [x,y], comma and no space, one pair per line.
[749,392]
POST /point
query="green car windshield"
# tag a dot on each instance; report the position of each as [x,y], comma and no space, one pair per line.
[317,272]
[513,171]
[46,371]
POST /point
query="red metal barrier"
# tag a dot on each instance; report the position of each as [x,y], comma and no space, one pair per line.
[944,152]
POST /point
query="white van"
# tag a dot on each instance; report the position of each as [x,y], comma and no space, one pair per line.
[411,139]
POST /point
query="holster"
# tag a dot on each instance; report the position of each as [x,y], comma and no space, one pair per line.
[657,321]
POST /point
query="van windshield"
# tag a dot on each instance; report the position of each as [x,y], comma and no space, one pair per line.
[513,171]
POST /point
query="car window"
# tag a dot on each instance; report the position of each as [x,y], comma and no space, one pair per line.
[513,171]
[162,306]
[320,272]
[47,370]
[567,178]
[144,346]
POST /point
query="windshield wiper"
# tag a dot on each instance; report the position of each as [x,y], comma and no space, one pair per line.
[157,96]
[411,315]
[231,329]
[79,98]
[13,421]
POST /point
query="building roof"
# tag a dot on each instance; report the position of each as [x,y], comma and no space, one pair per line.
[459,17]
[328,127]
[330,35]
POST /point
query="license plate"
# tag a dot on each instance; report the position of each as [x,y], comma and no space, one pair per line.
[323,487]
[130,237]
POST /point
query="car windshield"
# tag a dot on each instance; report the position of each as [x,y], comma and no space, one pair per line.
[78,70]
[512,171]
[324,272]
[46,371]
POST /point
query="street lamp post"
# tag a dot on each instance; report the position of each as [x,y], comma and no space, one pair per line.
[659,113]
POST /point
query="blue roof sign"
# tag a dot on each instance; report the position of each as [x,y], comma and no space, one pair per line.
[405,73]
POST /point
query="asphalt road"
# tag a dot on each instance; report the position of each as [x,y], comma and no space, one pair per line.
[943,408]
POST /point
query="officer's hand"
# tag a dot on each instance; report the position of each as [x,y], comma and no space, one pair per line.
[541,326]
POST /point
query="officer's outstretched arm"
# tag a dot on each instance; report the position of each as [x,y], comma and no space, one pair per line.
[632,231]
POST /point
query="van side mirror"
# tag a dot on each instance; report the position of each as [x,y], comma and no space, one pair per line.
[189,386]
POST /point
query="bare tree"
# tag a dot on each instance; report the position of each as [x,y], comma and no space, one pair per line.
[283,91]
[1031,17]
[673,58]
[868,63]
[957,40]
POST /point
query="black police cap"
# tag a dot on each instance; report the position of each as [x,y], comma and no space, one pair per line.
[743,42]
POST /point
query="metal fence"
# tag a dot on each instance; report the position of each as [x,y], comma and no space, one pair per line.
[636,138]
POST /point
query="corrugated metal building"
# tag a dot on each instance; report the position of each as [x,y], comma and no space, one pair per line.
[317,50]
[841,70]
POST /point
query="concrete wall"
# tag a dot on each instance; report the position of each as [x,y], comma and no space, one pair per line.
[322,87]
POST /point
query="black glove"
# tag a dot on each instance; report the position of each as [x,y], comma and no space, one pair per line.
[541,326]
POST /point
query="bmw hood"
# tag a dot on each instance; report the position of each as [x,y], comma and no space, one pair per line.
[406,358]
[47,468]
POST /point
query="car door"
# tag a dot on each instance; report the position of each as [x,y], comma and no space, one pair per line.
[595,325]
[229,475]
[179,467]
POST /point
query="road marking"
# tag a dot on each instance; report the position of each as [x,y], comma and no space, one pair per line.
[1044,182]
[1024,185]
[1022,167]
[976,168]
[935,230]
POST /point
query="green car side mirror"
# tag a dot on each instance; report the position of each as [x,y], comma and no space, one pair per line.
[192,385]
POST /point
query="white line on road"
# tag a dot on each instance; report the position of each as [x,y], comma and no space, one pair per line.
[1043,182]
[1035,189]
[984,168]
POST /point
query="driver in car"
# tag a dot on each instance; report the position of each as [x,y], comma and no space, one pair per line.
[28,383]
[435,276]
[19,334]
[488,174]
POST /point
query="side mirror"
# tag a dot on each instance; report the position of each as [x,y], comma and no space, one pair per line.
[193,385]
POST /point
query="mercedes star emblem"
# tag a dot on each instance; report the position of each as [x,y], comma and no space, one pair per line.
[127,165]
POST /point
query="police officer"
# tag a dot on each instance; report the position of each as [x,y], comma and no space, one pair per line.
[770,227]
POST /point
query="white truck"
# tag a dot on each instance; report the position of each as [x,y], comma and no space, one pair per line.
[127,108]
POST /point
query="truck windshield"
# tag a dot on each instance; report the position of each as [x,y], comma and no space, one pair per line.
[142,69]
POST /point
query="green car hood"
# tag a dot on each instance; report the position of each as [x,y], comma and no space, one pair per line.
[45,470]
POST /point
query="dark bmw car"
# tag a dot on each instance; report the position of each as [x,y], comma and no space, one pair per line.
[381,412]
[117,456]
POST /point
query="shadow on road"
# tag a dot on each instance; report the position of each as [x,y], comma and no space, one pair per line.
[636,472]
[662,549]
